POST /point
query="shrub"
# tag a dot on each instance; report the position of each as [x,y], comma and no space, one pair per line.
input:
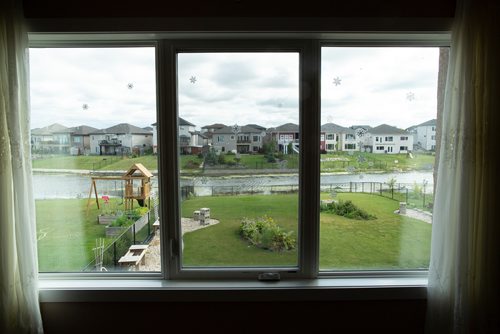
[347,209]
[265,233]
[222,159]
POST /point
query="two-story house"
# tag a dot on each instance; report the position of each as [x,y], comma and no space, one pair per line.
[389,139]
[122,138]
[284,135]
[244,139]
[426,135]
[337,138]
[54,138]
[80,139]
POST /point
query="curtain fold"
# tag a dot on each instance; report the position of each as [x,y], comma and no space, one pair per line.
[19,305]
[463,292]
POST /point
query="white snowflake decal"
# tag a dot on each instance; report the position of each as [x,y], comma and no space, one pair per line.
[85,106]
[192,79]
[130,85]
[410,96]
[337,81]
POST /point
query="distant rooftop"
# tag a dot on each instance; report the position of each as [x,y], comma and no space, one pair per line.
[387,129]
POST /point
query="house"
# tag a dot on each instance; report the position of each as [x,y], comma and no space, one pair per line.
[284,135]
[208,131]
[245,139]
[338,138]
[121,139]
[389,139]
[80,139]
[54,138]
[190,141]
[425,135]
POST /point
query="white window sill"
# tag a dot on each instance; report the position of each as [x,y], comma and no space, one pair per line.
[148,290]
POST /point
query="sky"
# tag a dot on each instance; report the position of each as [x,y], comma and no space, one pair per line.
[102,87]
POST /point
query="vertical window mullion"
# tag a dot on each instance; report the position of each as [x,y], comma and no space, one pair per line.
[310,157]
[167,137]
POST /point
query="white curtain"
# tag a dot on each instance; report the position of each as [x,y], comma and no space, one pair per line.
[19,306]
[463,293]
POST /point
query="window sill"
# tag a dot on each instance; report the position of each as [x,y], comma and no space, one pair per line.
[155,290]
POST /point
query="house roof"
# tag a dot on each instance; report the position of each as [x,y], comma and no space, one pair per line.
[386,129]
[214,126]
[243,129]
[256,126]
[138,167]
[123,128]
[335,128]
[182,121]
[288,127]
[82,130]
[431,122]
[50,129]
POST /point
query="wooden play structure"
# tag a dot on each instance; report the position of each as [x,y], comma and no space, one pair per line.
[137,186]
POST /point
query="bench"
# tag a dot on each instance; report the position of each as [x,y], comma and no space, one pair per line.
[134,256]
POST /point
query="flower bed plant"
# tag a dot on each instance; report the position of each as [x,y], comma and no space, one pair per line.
[263,232]
[347,209]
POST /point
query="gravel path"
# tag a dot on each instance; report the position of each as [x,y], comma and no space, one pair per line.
[418,214]
[152,257]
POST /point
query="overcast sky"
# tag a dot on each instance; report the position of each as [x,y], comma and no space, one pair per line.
[101,87]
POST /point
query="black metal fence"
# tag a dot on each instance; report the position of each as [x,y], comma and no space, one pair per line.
[415,195]
[140,232]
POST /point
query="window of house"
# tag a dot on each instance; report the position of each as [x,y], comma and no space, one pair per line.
[228,226]
[403,138]
[403,148]
[389,139]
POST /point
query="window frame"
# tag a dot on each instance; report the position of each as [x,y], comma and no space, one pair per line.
[310,73]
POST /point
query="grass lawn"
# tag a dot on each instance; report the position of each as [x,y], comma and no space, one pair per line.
[371,161]
[221,245]
[66,235]
[390,241]
[97,162]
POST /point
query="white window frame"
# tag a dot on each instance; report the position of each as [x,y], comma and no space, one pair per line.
[309,270]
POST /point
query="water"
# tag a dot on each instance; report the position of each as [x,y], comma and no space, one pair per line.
[50,186]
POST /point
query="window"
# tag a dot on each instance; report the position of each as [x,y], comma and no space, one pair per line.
[252,220]
[95,90]
[215,188]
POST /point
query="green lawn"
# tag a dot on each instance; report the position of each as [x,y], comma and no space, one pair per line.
[371,161]
[390,241]
[95,162]
[66,234]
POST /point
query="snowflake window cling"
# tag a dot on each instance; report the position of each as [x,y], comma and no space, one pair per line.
[192,79]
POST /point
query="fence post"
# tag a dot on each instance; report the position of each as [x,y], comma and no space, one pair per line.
[149,221]
[380,184]
[350,186]
[133,231]
[392,192]
[407,195]
[114,253]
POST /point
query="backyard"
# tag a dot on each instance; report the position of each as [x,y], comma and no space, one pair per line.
[66,234]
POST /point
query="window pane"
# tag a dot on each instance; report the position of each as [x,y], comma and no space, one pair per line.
[238,158]
[94,158]
[379,118]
